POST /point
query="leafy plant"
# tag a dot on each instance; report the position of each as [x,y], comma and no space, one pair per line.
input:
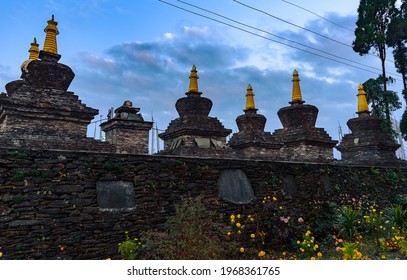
[192,233]
[347,221]
[397,216]
[128,249]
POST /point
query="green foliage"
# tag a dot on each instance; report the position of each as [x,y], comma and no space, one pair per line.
[113,166]
[18,176]
[18,198]
[392,178]
[129,248]
[347,222]
[16,154]
[192,233]
[151,186]
[382,100]
[397,216]
[403,125]
[374,17]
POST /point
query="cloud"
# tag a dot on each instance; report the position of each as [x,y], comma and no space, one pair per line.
[154,74]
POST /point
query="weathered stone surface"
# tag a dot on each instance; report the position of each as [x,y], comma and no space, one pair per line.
[39,113]
[184,134]
[302,140]
[127,130]
[252,141]
[234,186]
[115,195]
[367,142]
[64,217]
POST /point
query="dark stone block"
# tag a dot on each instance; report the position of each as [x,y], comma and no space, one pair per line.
[115,195]
[289,185]
[234,186]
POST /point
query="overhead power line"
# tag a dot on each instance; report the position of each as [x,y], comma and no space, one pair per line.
[280,37]
[324,18]
[263,37]
[301,27]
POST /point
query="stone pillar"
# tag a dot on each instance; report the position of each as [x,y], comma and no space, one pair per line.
[128,131]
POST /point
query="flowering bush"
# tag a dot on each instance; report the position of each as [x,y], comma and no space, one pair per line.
[308,248]
[128,248]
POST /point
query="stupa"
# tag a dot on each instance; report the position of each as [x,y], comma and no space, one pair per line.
[194,133]
[366,142]
[252,141]
[302,140]
[38,111]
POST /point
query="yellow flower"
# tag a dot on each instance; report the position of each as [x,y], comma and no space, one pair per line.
[319,254]
[238,224]
[252,235]
[241,250]
[1,254]
[340,240]
[238,216]
[274,198]
[280,207]
[316,247]
[229,233]
[261,254]
[313,258]
[284,253]
[232,217]
[239,232]
[108,259]
[298,242]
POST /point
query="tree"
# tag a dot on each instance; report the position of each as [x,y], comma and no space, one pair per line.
[397,38]
[374,17]
[403,125]
[375,95]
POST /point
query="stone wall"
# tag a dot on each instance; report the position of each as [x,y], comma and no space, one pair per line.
[85,201]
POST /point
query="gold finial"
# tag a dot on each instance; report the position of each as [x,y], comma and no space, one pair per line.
[193,80]
[296,94]
[50,44]
[249,98]
[362,102]
[34,50]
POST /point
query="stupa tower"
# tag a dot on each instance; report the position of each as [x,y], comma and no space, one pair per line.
[367,142]
[302,140]
[194,133]
[252,141]
[38,111]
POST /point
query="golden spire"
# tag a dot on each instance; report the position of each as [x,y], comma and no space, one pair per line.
[34,50]
[296,95]
[50,44]
[193,80]
[362,102]
[249,98]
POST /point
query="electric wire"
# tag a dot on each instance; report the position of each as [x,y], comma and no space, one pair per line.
[280,37]
[258,35]
[301,27]
[324,18]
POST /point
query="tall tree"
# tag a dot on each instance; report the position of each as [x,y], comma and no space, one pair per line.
[375,94]
[397,38]
[374,17]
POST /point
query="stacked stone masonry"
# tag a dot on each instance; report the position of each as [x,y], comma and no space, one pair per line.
[50,199]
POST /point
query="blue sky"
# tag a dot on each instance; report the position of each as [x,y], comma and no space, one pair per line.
[143,51]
